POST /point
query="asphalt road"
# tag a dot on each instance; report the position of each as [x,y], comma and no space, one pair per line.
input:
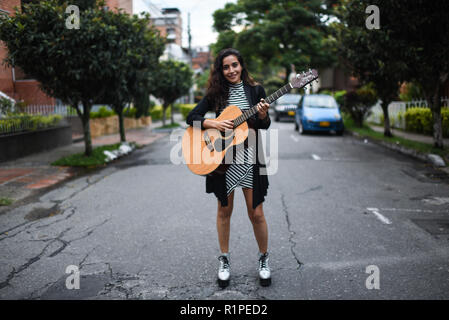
[344,215]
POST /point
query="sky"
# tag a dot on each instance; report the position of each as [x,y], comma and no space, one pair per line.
[201,20]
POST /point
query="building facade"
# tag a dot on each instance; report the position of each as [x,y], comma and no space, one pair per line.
[169,23]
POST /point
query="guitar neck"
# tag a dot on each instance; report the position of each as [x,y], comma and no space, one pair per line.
[272,98]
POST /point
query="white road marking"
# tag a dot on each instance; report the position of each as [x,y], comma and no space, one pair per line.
[437,201]
[294,138]
[408,210]
[379,216]
[315,157]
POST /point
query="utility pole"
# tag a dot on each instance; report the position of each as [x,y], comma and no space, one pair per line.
[190,54]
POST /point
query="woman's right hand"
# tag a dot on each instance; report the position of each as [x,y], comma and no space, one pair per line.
[224,124]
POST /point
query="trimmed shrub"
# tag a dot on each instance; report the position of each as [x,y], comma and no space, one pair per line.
[156,113]
[130,113]
[185,109]
[26,122]
[420,120]
[103,112]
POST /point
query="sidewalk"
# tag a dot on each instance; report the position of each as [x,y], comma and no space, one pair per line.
[409,135]
[19,178]
[435,160]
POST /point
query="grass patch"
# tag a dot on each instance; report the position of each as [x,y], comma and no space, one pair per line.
[97,158]
[6,201]
[421,147]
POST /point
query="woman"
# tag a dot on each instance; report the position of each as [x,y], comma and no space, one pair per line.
[231,84]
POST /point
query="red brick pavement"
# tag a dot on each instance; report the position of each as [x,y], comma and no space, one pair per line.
[33,178]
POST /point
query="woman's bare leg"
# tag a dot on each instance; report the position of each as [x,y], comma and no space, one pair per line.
[257,218]
[224,223]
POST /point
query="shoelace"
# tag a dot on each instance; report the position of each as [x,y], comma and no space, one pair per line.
[263,262]
[224,263]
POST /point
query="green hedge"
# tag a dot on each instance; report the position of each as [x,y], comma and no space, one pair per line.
[156,113]
[420,120]
[104,112]
[185,109]
[25,122]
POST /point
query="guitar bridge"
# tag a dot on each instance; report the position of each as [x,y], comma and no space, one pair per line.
[208,142]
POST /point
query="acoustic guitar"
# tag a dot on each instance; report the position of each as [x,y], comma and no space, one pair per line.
[205,150]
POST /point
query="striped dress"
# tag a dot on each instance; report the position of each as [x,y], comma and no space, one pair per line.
[240,172]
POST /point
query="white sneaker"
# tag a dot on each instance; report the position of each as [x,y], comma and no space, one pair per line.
[224,272]
[264,270]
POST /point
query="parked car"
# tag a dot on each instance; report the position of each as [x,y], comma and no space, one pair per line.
[318,112]
[286,105]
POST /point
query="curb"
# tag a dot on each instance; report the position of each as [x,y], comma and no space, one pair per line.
[425,157]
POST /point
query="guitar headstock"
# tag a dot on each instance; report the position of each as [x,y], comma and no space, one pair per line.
[304,78]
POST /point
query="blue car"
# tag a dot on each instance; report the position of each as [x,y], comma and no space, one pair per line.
[318,112]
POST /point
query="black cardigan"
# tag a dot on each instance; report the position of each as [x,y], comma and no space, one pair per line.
[216,183]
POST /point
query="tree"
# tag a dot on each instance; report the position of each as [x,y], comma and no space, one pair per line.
[201,81]
[70,64]
[358,103]
[172,80]
[369,54]
[134,50]
[277,32]
[420,28]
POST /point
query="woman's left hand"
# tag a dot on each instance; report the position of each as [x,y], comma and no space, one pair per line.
[262,108]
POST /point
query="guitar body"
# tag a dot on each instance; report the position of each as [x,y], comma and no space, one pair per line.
[204,150]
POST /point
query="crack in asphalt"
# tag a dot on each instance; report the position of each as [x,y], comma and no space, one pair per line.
[310,190]
[50,241]
[291,232]
[30,261]
[29,224]
[9,236]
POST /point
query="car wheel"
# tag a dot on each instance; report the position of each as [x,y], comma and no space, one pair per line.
[276,118]
[340,132]
[296,126]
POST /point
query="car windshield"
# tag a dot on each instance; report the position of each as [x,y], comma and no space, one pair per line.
[289,99]
[320,102]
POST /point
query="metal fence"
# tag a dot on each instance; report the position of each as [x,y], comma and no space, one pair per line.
[63,110]
[35,117]
[30,122]
[398,108]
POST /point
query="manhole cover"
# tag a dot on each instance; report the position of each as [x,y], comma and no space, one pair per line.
[433,226]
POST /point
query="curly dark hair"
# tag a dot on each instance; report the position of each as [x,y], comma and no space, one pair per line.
[218,87]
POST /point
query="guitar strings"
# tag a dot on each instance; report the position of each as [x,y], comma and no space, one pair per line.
[248,113]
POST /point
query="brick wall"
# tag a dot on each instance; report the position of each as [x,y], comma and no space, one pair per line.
[9,5]
[127,5]
[29,90]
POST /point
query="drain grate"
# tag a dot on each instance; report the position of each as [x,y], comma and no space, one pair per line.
[433,226]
